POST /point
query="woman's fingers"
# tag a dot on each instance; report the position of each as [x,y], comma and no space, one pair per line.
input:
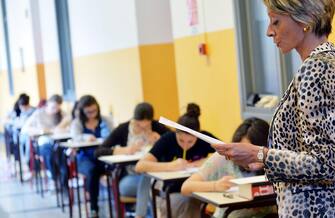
[255,166]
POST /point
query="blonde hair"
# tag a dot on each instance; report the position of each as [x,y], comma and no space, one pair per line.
[316,14]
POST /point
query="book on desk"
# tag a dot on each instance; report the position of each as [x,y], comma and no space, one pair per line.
[255,186]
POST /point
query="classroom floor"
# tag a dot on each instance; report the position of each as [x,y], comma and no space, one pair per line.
[21,200]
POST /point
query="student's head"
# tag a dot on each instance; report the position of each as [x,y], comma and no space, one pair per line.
[75,110]
[143,115]
[191,120]
[292,20]
[53,105]
[23,102]
[88,108]
[252,130]
[255,131]
[53,108]
[42,103]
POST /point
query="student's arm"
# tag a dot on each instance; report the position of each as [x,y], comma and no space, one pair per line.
[113,141]
[64,124]
[76,130]
[212,176]
[127,150]
[150,164]
[197,163]
[31,125]
[196,183]
[106,127]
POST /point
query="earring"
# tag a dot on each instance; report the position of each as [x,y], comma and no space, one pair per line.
[306,29]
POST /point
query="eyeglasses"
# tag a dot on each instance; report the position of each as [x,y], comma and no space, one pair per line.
[90,111]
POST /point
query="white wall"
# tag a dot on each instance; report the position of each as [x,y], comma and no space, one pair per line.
[20,32]
[48,30]
[106,26]
[154,21]
[213,15]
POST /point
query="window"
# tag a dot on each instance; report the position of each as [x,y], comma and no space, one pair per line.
[264,73]
[64,38]
[7,46]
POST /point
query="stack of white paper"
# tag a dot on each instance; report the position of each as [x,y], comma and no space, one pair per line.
[199,135]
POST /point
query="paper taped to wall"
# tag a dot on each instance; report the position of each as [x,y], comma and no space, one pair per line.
[199,135]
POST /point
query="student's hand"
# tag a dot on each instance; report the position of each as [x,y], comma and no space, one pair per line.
[91,138]
[153,137]
[196,163]
[133,148]
[223,184]
[255,166]
[47,130]
[179,164]
[57,130]
[241,154]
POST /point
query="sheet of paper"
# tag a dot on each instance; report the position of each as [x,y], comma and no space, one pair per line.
[199,135]
[192,170]
[249,180]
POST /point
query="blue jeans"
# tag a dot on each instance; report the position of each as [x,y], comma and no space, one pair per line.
[128,185]
[143,199]
[137,185]
[25,148]
[92,170]
[46,150]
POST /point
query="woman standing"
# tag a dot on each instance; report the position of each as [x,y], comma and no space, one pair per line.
[300,160]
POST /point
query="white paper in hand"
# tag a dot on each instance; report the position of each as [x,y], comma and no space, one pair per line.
[199,135]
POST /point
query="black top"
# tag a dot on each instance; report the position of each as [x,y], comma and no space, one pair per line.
[119,136]
[166,149]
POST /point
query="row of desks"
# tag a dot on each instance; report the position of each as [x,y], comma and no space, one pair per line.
[119,161]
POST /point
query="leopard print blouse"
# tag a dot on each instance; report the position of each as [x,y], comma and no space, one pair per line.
[301,158]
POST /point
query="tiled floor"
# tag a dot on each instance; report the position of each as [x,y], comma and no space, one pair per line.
[21,201]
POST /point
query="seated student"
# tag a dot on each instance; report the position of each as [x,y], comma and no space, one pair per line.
[215,173]
[177,151]
[14,113]
[89,126]
[26,110]
[131,137]
[46,120]
[15,119]
[60,159]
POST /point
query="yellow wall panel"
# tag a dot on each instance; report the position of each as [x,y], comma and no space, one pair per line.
[114,78]
[332,35]
[53,78]
[211,81]
[26,82]
[159,79]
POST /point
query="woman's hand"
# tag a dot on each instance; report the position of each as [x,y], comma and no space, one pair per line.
[223,184]
[242,154]
[134,148]
[197,163]
[91,138]
[179,164]
[255,166]
[153,137]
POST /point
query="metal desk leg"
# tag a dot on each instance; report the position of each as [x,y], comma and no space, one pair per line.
[55,155]
[116,174]
[78,188]
[19,157]
[153,193]
[203,210]
[39,175]
[109,197]
[168,203]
